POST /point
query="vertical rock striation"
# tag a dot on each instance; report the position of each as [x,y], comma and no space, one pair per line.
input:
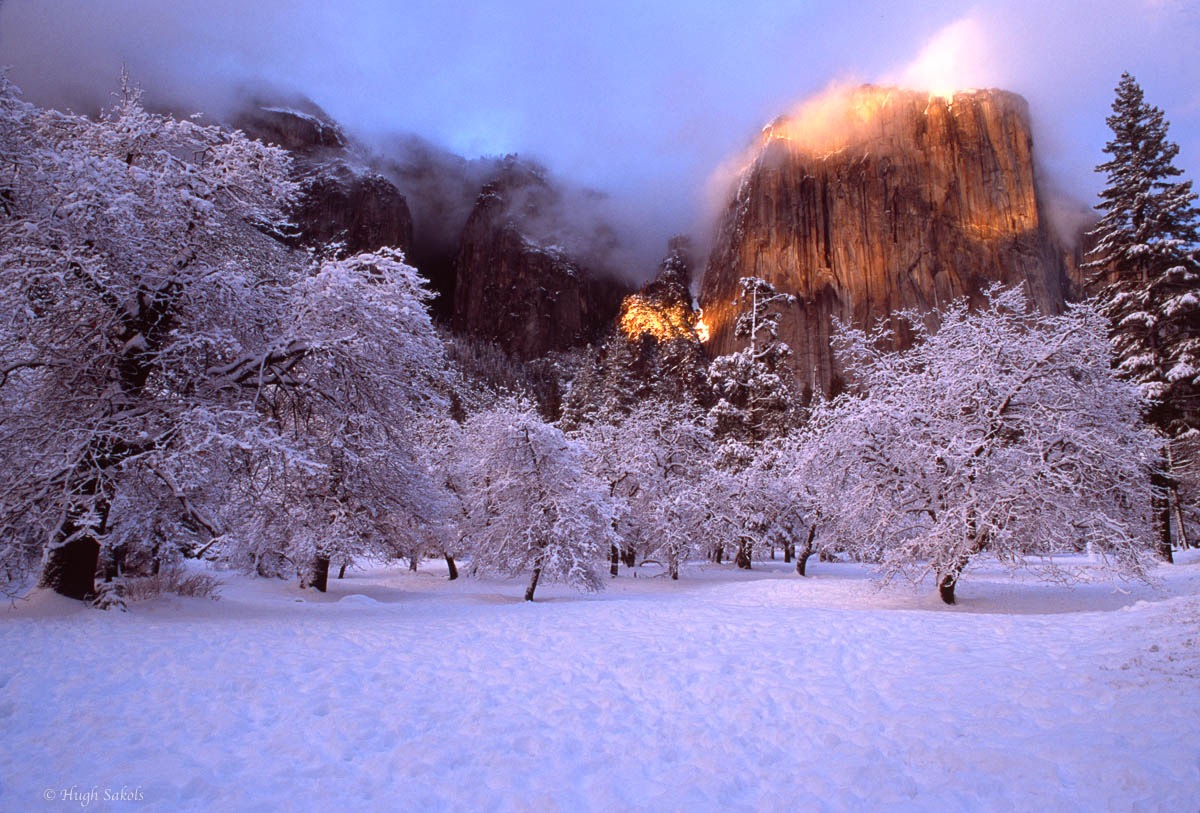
[875,200]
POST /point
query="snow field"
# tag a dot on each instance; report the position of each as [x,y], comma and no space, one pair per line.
[723,691]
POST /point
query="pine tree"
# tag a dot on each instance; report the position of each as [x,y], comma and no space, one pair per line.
[1145,256]
[756,398]
[1145,261]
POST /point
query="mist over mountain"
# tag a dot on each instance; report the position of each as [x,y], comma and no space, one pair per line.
[639,104]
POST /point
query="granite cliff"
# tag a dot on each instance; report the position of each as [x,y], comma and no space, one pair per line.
[341,199]
[872,200]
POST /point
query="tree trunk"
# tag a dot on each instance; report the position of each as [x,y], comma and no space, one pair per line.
[946,587]
[412,563]
[451,567]
[74,553]
[318,573]
[806,551]
[743,555]
[1160,504]
[342,569]
[109,564]
[614,561]
[673,568]
[977,542]
[70,564]
[1184,543]
[718,554]
[537,574]
[71,558]
[1176,506]
[629,557]
[949,579]
[789,550]
[70,568]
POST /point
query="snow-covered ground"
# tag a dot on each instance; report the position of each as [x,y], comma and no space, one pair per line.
[723,691]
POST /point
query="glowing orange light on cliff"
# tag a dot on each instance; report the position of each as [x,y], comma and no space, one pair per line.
[701,328]
[831,121]
[640,317]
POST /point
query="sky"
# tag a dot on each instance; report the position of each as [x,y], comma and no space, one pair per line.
[643,101]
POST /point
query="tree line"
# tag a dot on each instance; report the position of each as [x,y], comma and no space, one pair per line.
[176,381]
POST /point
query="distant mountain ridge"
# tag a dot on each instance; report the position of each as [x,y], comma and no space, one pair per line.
[864,202]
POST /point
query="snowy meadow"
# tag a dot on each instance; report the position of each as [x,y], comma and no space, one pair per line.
[725,690]
[192,401]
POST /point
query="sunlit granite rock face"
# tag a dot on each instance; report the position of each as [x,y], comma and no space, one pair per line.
[874,200]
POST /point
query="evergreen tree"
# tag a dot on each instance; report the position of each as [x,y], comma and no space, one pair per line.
[1145,262]
[756,398]
[753,386]
[1144,256]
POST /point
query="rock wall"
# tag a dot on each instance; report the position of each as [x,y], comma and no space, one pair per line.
[515,283]
[341,200]
[875,200]
[362,210]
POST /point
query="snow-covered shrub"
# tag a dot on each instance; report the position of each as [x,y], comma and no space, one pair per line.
[173,580]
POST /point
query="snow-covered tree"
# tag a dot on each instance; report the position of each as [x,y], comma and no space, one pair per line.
[530,503]
[755,505]
[763,505]
[1145,262]
[371,375]
[756,400]
[754,388]
[658,461]
[1004,432]
[170,373]
[608,458]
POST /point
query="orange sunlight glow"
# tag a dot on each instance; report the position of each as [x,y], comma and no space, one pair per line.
[639,318]
[840,116]
[701,327]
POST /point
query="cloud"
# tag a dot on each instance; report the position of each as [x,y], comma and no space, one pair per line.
[641,101]
[958,57]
